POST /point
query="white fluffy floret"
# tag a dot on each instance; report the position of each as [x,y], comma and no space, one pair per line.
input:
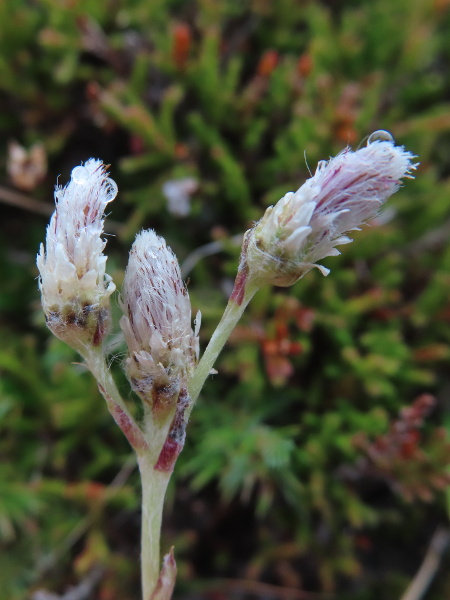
[72,263]
[306,226]
[157,314]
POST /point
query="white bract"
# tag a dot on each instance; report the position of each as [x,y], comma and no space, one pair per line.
[306,226]
[157,317]
[72,263]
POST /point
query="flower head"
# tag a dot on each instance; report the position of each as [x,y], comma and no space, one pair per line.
[306,226]
[157,321]
[74,286]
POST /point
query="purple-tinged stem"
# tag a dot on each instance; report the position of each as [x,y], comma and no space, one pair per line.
[95,361]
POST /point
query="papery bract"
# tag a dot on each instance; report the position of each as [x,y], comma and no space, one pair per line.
[74,287]
[306,226]
[157,312]
[163,348]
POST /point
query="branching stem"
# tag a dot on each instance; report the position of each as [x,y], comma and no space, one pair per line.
[154,482]
[230,318]
[95,361]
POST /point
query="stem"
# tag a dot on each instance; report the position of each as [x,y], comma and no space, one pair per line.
[228,322]
[154,482]
[95,361]
[154,485]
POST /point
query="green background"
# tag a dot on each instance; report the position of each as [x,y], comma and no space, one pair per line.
[301,471]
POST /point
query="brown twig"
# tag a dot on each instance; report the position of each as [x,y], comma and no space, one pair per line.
[30,204]
[82,591]
[13,198]
[429,566]
[208,250]
[265,590]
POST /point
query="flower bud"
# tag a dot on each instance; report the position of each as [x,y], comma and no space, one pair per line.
[306,226]
[163,348]
[74,287]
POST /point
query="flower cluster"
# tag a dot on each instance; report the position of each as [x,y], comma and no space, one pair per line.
[74,286]
[163,348]
[306,226]
[157,322]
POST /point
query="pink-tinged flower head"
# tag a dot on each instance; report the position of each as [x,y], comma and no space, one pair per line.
[157,320]
[306,226]
[74,286]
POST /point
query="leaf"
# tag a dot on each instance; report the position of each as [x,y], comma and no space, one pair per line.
[166,579]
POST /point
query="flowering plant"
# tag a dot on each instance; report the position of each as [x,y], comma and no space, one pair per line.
[163,349]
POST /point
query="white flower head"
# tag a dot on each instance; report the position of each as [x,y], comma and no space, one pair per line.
[74,286]
[306,226]
[157,320]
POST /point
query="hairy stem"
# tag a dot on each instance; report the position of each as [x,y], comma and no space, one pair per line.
[95,361]
[154,482]
[228,322]
[154,485]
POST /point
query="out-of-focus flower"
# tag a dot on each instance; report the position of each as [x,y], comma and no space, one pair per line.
[178,193]
[26,168]
[74,286]
[157,322]
[306,226]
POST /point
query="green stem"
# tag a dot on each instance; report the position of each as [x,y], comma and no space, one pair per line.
[95,361]
[154,482]
[154,485]
[228,322]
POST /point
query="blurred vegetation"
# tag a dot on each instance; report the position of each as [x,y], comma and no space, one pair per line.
[316,459]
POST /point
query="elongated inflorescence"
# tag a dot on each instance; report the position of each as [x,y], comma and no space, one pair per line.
[74,287]
[157,320]
[306,226]
[163,348]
